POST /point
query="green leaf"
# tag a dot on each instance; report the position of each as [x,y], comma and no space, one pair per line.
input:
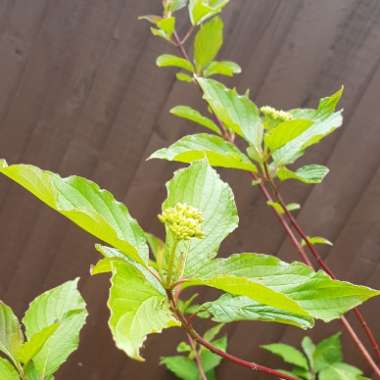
[201,10]
[29,349]
[238,113]
[309,348]
[183,347]
[295,148]
[157,246]
[307,174]
[210,360]
[174,5]
[211,333]
[340,371]
[183,367]
[286,131]
[328,352]
[3,164]
[11,336]
[316,240]
[288,353]
[7,371]
[138,306]
[184,77]
[169,60]
[84,203]
[278,207]
[207,42]
[228,308]
[64,306]
[200,186]
[294,288]
[189,113]
[165,27]
[219,152]
[226,68]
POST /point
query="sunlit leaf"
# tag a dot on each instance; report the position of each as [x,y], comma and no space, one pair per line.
[201,10]
[316,240]
[84,203]
[207,42]
[226,68]
[219,152]
[7,371]
[306,174]
[184,77]
[138,306]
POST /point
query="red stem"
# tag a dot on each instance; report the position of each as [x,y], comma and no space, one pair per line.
[244,363]
[300,249]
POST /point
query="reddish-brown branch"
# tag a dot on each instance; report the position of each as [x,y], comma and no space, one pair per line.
[299,247]
[197,357]
[241,362]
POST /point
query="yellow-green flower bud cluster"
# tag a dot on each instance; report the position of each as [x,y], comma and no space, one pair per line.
[276,115]
[184,221]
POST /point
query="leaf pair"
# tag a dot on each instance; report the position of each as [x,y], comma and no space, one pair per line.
[324,360]
[52,325]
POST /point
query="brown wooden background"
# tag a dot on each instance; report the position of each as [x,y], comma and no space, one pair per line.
[79,93]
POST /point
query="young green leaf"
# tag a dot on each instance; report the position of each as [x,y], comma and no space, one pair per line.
[341,371]
[157,246]
[307,174]
[189,113]
[64,306]
[316,240]
[238,113]
[309,348]
[226,68]
[210,360]
[288,353]
[184,77]
[11,336]
[30,349]
[295,148]
[328,352]
[183,367]
[200,186]
[294,288]
[84,203]
[207,42]
[7,371]
[201,10]
[211,333]
[165,27]
[138,306]
[228,308]
[169,60]
[219,152]
[183,347]
[278,207]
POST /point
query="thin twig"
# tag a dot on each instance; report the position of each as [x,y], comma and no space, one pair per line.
[197,357]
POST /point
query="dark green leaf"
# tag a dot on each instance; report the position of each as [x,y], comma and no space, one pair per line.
[207,42]
[219,152]
[84,203]
[288,353]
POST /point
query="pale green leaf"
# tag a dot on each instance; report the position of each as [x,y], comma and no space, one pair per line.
[183,347]
[286,131]
[169,60]
[201,10]
[138,306]
[84,203]
[340,371]
[306,174]
[165,27]
[226,68]
[289,287]
[328,352]
[309,348]
[316,240]
[189,113]
[11,336]
[288,353]
[228,308]
[200,186]
[178,4]
[3,164]
[184,77]
[157,246]
[237,112]
[64,306]
[279,209]
[7,371]
[29,349]
[207,42]
[219,152]
[295,148]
